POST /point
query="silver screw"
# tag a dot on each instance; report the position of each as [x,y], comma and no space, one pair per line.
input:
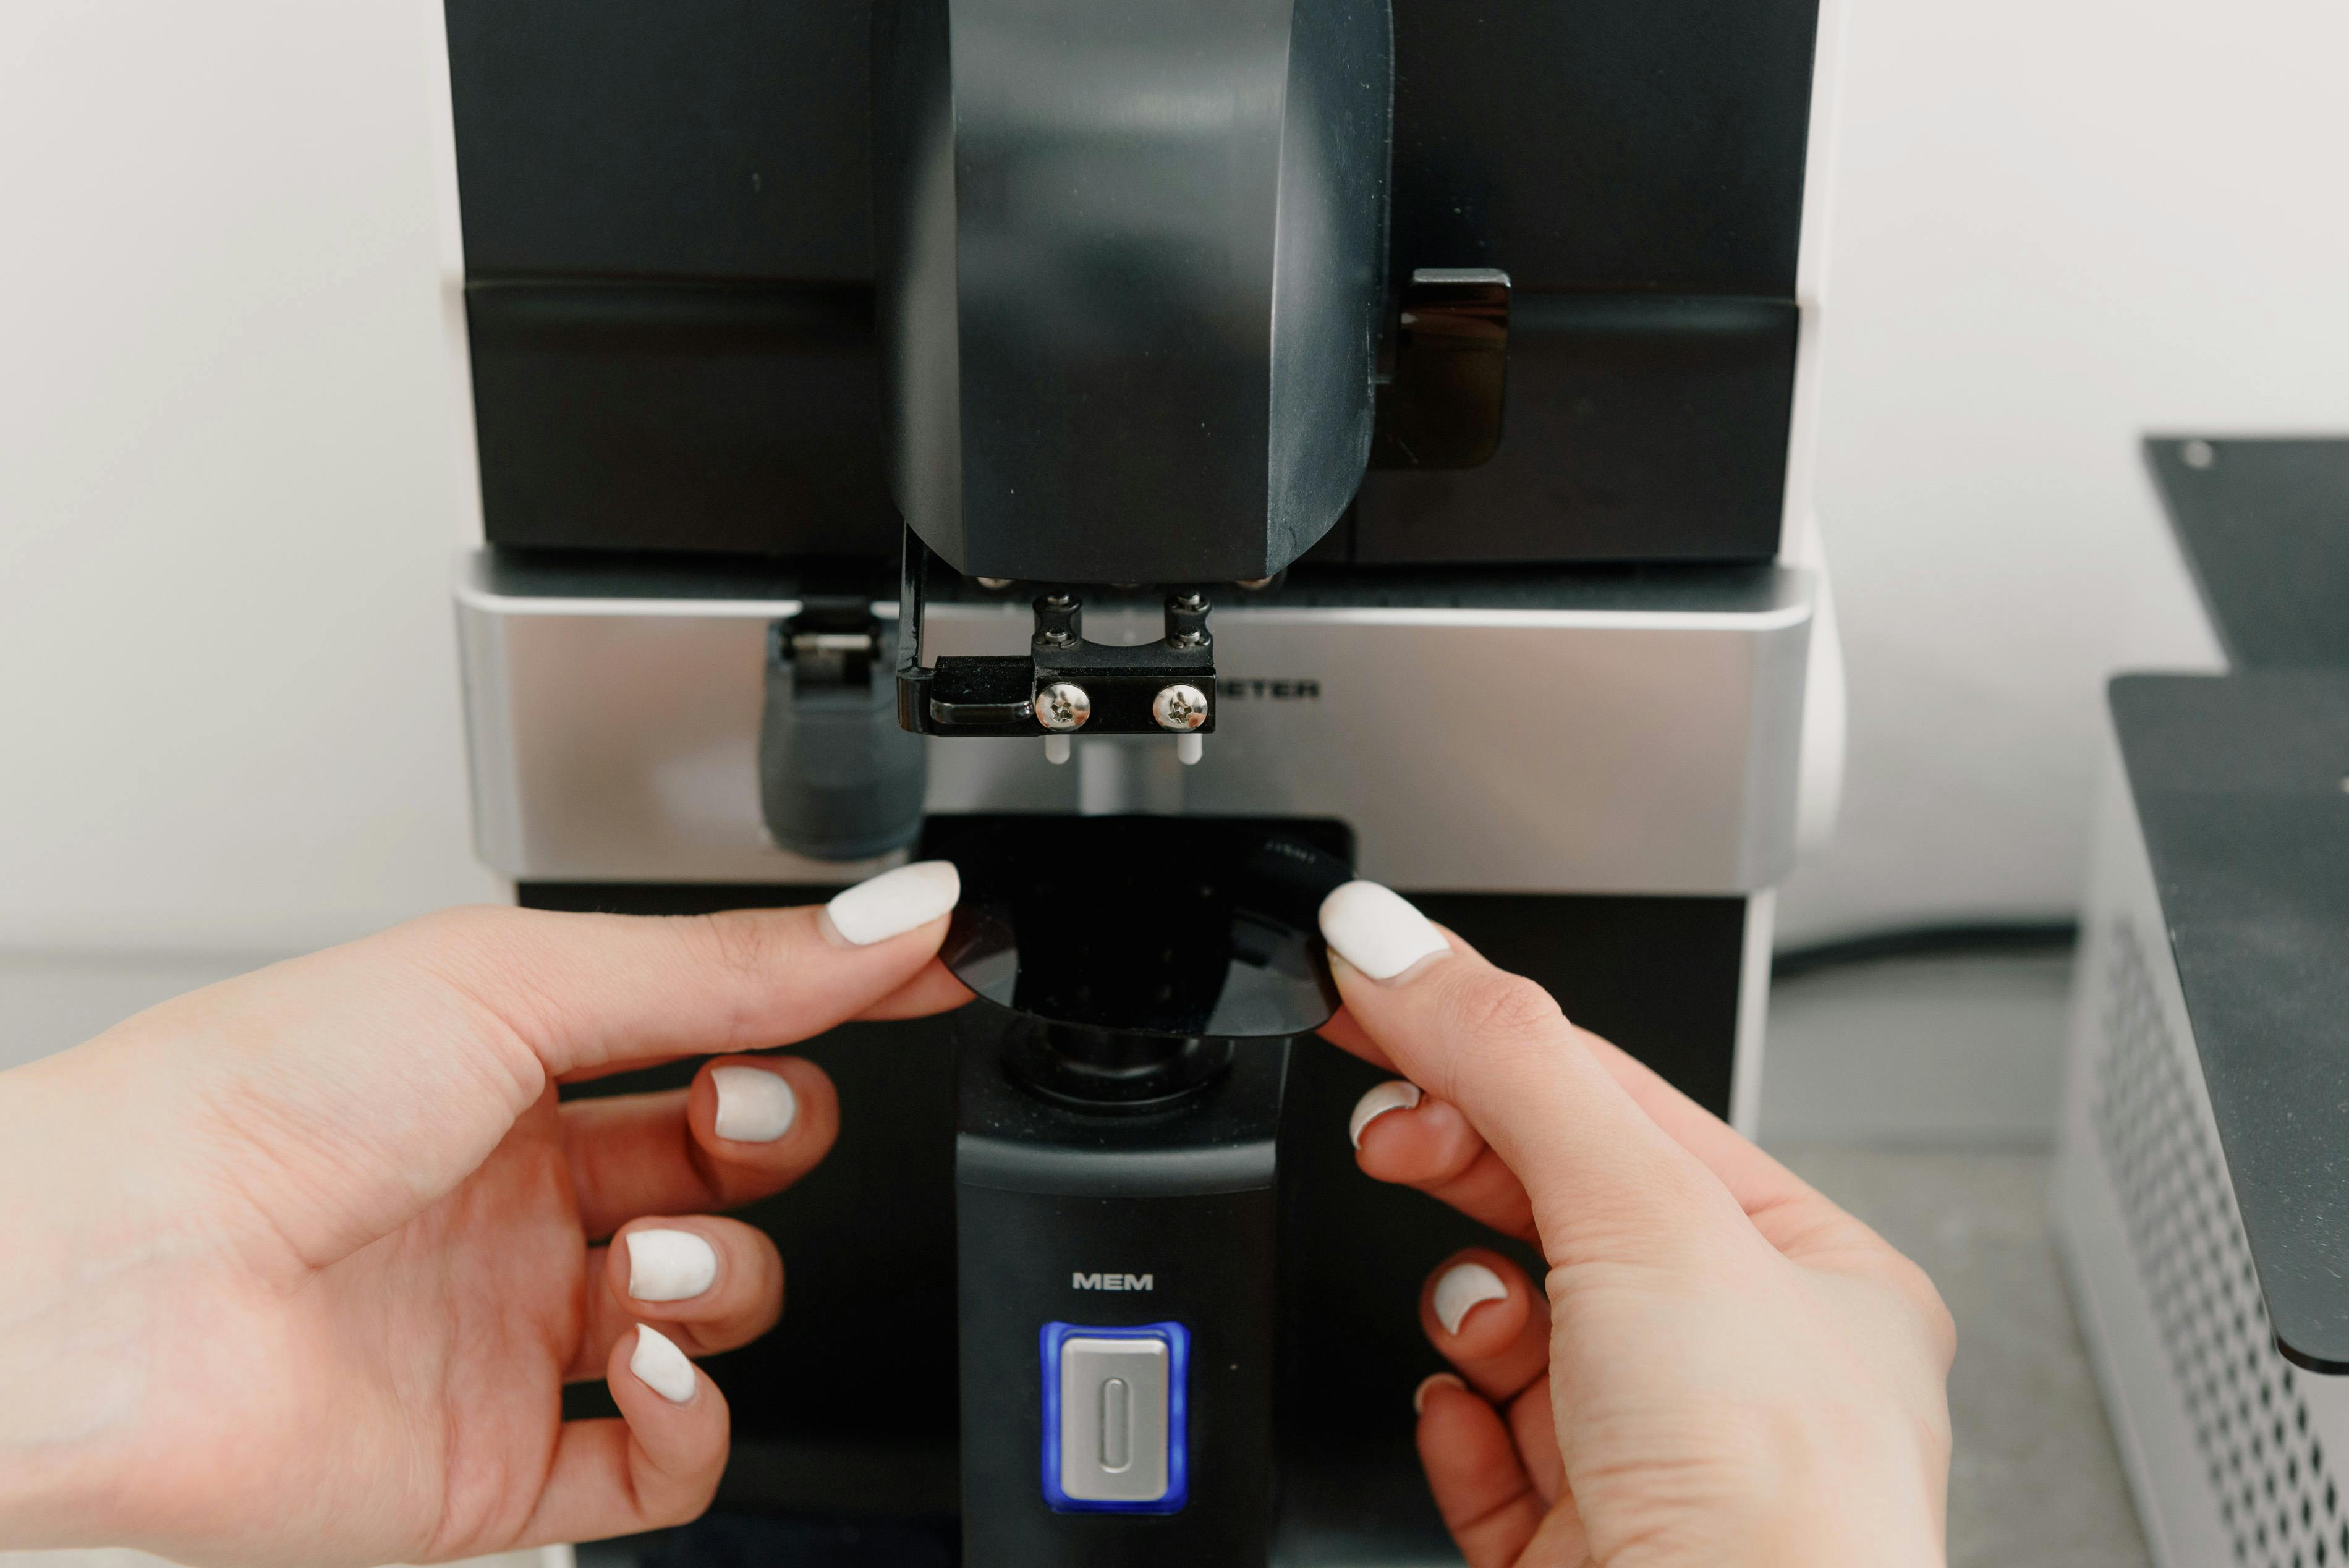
[1063,706]
[1180,707]
[2197,454]
[997,584]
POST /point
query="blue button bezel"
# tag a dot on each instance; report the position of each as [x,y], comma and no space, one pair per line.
[1177,1340]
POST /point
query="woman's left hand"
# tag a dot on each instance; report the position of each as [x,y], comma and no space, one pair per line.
[295,1267]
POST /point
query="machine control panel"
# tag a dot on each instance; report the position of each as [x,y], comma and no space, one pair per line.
[1115,1418]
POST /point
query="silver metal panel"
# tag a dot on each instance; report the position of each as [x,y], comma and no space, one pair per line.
[2226,1443]
[1634,738]
[1113,1420]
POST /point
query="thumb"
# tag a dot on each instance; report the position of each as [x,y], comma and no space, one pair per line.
[1606,1182]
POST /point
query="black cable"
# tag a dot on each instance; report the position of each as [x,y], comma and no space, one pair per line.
[1958,939]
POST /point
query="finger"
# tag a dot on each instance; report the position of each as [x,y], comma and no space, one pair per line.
[655,1467]
[1482,1314]
[709,1285]
[934,989]
[1603,1179]
[1346,1033]
[583,991]
[1758,1181]
[1487,1501]
[1792,1215]
[746,1128]
[1533,1427]
[1788,1212]
[399,1062]
[1751,1176]
[1404,1137]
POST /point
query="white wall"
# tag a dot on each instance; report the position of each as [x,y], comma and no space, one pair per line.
[2058,224]
[228,709]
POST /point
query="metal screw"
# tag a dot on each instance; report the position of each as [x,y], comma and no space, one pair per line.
[998,583]
[2197,454]
[1191,604]
[1063,705]
[1180,707]
[1055,616]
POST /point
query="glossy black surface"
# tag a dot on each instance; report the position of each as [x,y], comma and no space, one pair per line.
[1632,146]
[1129,259]
[687,139]
[2265,527]
[672,416]
[1445,406]
[1638,428]
[2242,786]
[675,202]
[1726,588]
[1179,927]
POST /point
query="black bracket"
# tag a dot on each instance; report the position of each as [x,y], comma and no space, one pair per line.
[1440,404]
[832,643]
[1065,684]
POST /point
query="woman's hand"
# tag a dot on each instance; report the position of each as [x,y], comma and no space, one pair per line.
[295,1268]
[1722,1366]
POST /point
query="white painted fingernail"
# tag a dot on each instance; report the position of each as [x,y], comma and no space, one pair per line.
[754,1106]
[895,902]
[1377,931]
[669,1265]
[1462,1287]
[1419,1395]
[661,1366]
[1381,1099]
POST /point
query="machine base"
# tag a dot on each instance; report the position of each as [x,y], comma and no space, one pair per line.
[845,1419]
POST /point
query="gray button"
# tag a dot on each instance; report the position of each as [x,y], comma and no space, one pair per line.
[1113,1420]
[1117,1426]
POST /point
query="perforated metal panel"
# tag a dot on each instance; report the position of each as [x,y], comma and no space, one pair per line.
[2265,1461]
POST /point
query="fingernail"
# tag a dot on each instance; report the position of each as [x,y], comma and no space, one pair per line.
[1377,931]
[670,1265]
[661,1366]
[1419,1395]
[894,902]
[754,1106]
[1462,1287]
[1381,1099]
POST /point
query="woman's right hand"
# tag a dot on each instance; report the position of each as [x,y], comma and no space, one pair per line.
[1721,1367]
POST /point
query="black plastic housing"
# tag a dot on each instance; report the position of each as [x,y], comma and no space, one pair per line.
[1047,1195]
[670,270]
[1131,259]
